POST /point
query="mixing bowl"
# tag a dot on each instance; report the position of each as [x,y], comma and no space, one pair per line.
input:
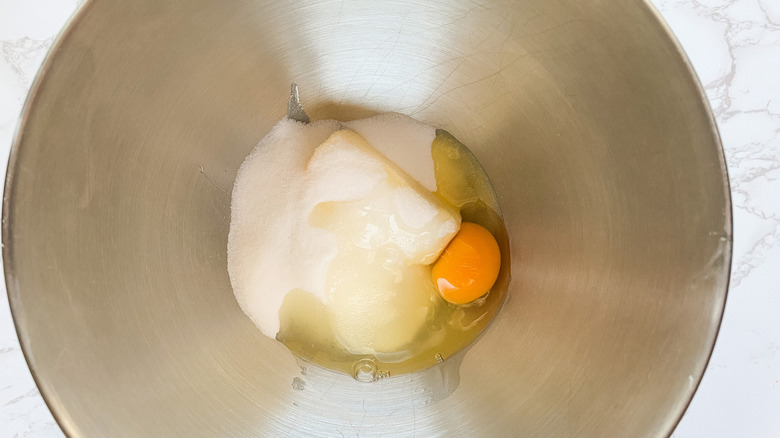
[585,114]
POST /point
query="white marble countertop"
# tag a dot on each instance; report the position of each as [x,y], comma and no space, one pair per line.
[734,46]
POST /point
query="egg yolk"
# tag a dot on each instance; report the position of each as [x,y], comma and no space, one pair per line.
[469,265]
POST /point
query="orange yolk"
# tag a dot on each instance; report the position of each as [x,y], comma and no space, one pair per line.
[469,266]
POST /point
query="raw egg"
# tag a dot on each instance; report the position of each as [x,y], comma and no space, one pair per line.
[469,265]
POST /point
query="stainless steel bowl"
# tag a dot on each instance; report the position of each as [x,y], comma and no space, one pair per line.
[586,116]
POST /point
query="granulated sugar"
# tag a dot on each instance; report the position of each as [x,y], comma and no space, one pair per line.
[310,195]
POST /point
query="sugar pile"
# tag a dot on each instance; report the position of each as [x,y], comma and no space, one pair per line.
[312,201]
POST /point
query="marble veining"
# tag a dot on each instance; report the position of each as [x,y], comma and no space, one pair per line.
[734,45]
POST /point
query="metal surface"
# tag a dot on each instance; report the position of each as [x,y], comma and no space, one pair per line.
[585,115]
[294,108]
